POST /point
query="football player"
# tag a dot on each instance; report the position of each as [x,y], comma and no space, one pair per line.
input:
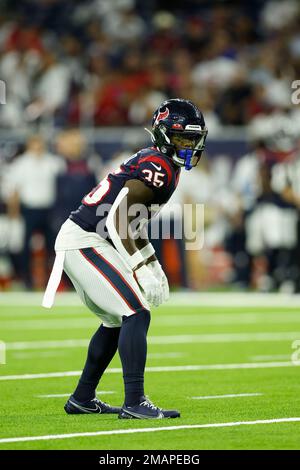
[119,277]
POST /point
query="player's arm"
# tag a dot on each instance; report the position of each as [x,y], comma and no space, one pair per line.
[142,242]
[151,261]
[120,231]
[138,195]
[145,247]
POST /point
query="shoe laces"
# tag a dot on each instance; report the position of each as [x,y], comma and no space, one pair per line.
[99,402]
[148,403]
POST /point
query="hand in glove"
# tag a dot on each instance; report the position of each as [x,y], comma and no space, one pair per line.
[150,285]
[159,274]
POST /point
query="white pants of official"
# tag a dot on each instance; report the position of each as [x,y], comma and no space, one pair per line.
[105,283]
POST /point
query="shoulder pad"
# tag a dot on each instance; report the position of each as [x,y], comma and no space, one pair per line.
[151,162]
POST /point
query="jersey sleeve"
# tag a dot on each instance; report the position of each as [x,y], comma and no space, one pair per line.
[155,172]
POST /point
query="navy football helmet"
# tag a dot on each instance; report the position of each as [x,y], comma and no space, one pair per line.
[179,131]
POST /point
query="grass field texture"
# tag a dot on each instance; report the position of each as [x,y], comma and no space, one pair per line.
[224,360]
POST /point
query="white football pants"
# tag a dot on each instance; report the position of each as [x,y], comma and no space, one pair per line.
[105,284]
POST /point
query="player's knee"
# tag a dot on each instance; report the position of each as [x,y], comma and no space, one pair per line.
[142,317]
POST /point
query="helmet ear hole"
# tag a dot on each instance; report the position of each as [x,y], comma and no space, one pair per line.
[162,141]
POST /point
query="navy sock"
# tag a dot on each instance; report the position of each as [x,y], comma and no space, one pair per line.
[133,352]
[102,349]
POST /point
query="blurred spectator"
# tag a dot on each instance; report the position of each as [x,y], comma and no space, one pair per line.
[287,177]
[238,92]
[263,221]
[51,88]
[17,69]
[77,180]
[276,15]
[141,108]
[95,63]
[91,62]
[124,25]
[165,38]
[31,182]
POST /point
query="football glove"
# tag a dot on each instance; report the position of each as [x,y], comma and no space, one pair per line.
[159,274]
[150,285]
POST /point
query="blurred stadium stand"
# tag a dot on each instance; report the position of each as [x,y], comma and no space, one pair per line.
[87,76]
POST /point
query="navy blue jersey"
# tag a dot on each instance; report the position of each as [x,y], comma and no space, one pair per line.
[149,165]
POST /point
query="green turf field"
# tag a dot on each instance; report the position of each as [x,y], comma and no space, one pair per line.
[234,346]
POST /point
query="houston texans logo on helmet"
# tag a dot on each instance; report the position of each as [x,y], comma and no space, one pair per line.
[161,115]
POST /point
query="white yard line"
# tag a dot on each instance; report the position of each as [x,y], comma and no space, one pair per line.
[118,370]
[224,338]
[145,430]
[50,324]
[60,395]
[167,320]
[82,314]
[211,299]
[178,339]
[71,373]
[270,357]
[30,355]
[51,344]
[236,395]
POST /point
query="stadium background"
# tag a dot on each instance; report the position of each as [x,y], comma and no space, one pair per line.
[82,79]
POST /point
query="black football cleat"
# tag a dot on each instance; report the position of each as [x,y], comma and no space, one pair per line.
[146,410]
[73,407]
